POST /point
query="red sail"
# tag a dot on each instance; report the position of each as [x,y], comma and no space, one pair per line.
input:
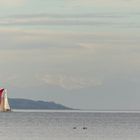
[1,91]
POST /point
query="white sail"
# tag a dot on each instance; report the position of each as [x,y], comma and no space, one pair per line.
[6,103]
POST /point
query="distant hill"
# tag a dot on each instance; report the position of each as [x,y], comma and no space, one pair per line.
[16,103]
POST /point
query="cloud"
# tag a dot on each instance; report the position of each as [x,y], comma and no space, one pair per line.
[26,38]
[71,16]
[48,21]
[97,19]
[69,82]
[89,19]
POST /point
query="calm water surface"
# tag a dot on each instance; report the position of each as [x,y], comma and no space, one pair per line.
[69,125]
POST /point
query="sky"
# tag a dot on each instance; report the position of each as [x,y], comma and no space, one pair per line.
[81,53]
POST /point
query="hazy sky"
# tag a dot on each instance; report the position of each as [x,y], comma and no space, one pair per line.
[81,53]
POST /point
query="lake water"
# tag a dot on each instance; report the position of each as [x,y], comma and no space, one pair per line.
[67,125]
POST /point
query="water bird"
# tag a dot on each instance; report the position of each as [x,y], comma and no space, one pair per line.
[74,127]
[84,128]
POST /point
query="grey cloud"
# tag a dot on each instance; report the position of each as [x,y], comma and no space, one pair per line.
[70,82]
[81,15]
[49,21]
[43,38]
[89,19]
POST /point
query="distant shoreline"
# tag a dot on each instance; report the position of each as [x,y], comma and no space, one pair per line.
[27,104]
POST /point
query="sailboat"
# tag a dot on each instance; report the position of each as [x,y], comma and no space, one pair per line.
[4,104]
